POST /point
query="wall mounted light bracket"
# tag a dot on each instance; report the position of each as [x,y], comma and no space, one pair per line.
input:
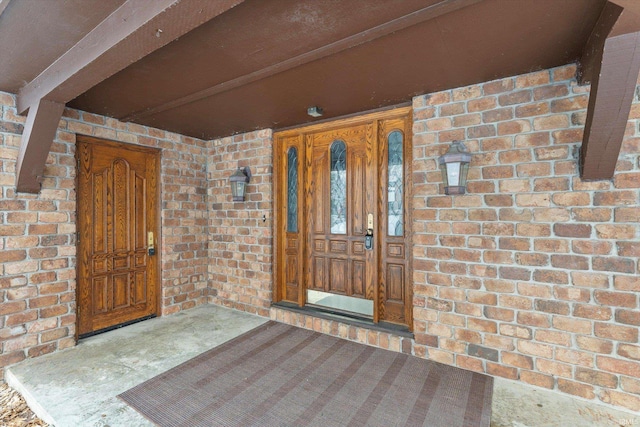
[238,182]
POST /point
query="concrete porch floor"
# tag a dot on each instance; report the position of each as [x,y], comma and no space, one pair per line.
[78,386]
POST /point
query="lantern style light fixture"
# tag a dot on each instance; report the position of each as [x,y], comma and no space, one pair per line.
[239,181]
[454,165]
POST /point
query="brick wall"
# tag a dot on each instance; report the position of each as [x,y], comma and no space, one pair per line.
[240,239]
[37,232]
[534,274]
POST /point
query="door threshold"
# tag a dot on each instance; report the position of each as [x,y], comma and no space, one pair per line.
[111,328]
[346,318]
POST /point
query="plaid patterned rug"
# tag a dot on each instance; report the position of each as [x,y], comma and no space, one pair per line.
[280,375]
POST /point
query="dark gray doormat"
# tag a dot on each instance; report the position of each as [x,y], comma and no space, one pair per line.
[280,375]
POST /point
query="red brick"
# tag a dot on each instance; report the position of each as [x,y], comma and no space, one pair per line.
[482,325]
[517,360]
[481,104]
[629,351]
[516,331]
[594,345]
[554,368]
[616,332]
[534,290]
[568,324]
[533,319]
[553,337]
[576,389]
[513,127]
[616,299]
[627,214]
[533,230]
[579,358]
[498,200]
[572,230]
[535,349]
[592,214]
[626,283]
[551,91]
[620,399]
[626,180]
[591,247]
[572,294]
[615,198]
[551,276]
[537,379]
[570,262]
[631,385]
[532,259]
[618,366]
[628,317]
[501,314]
[517,97]
[592,312]
[620,265]
[515,273]
[613,231]
[533,169]
[554,307]
[569,104]
[629,249]
[550,245]
[498,86]
[502,371]
[532,109]
[494,172]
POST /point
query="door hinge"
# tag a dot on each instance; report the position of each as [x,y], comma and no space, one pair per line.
[77,237]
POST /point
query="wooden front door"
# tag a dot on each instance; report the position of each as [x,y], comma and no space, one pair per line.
[341,209]
[117,234]
[341,177]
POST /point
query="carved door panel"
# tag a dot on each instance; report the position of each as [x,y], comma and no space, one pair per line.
[117,227]
[342,178]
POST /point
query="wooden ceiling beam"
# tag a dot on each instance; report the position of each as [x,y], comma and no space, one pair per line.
[611,64]
[427,13]
[134,30]
[39,132]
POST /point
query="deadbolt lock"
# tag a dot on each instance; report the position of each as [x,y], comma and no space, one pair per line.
[151,243]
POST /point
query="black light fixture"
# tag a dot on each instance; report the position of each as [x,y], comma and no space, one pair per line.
[454,165]
[239,181]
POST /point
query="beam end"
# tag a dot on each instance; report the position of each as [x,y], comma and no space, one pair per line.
[39,132]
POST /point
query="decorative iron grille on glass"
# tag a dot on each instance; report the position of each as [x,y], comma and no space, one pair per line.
[454,165]
[238,182]
[292,190]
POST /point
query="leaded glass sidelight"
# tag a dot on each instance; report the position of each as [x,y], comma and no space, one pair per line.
[395,186]
[292,190]
[338,187]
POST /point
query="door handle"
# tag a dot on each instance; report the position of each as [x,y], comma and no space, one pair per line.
[151,243]
[368,239]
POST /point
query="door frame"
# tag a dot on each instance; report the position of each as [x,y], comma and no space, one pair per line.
[157,153]
[298,137]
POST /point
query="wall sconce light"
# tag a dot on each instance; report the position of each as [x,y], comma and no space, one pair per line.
[239,181]
[454,165]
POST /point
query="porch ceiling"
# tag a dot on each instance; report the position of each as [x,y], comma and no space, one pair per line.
[262,63]
[254,64]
